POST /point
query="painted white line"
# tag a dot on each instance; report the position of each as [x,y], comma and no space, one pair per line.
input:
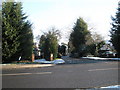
[103,69]
[16,74]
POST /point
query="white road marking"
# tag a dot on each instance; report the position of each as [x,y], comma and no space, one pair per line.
[16,74]
[103,69]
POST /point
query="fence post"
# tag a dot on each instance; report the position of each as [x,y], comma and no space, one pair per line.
[51,57]
[33,57]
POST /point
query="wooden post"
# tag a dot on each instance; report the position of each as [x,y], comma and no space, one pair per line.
[33,57]
[51,57]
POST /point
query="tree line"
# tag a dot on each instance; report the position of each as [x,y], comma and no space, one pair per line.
[17,36]
[82,42]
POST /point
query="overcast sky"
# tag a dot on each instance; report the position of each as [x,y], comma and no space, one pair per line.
[62,14]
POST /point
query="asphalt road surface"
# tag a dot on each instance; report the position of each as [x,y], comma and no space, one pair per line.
[83,74]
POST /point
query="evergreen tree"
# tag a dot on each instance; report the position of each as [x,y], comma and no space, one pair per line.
[26,41]
[41,43]
[78,37]
[115,31]
[9,30]
[49,44]
[16,32]
[90,45]
[62,50]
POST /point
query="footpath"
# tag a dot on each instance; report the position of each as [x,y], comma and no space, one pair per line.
[18,66]
[87,60]
[98,58]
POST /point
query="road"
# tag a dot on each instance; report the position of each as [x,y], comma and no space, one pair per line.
[83,74]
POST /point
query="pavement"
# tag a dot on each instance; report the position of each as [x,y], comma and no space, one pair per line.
[99,58]
[86,60]
[18,66]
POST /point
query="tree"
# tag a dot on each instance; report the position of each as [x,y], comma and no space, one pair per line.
[90,45]
[17,37]
[62,49]
[78,37]
[115,31]
[26,41]
[9,32]
[97,37]
[41,43]
[49,44]
[98,43]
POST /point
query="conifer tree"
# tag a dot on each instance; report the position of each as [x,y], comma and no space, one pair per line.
[16,32]
[115,31]
[78,37]
[49,43]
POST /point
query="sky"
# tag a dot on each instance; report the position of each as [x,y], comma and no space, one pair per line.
[62,14]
